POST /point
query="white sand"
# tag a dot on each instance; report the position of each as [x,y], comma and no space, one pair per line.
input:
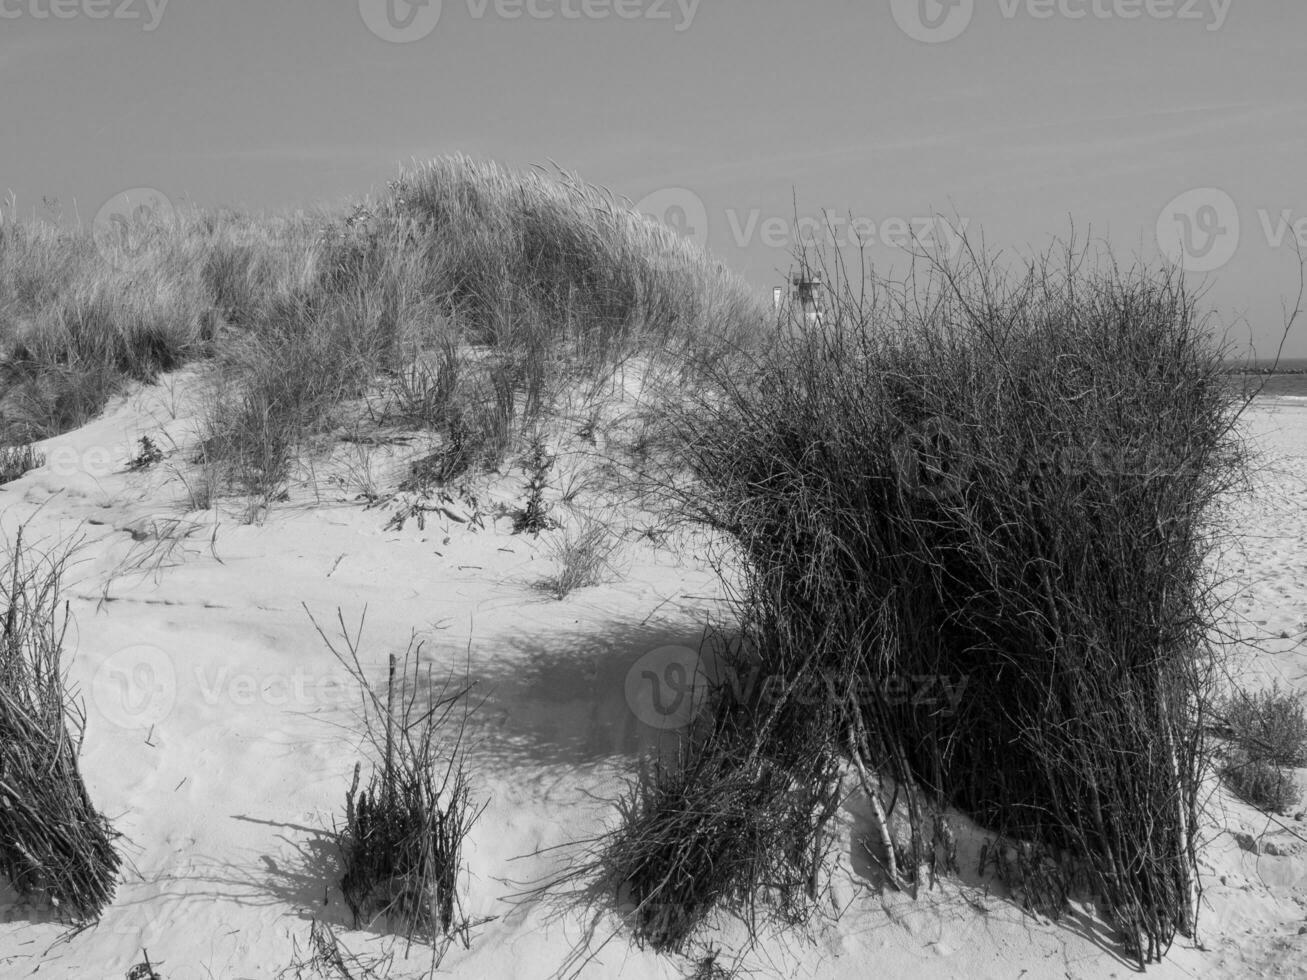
[221,737]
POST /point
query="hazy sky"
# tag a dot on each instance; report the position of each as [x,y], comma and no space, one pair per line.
[1183,120]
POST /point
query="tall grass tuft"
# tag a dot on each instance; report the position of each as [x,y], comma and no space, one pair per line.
[54,845]
[1006,480]
[402,842]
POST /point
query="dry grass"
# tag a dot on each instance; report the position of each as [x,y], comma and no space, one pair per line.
[469,294]
[1268,739]
[402,841]
[1007,479]
[583,554]
[17,460]
[54,845]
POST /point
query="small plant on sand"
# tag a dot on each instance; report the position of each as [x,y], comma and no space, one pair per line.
[146,456]
[327,956]
[17,460]
[402,842]
[145,970]
[54,844]
[1268,732]
[534,515]
[584,556]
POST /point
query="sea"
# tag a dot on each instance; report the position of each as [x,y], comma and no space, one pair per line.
[1289,383]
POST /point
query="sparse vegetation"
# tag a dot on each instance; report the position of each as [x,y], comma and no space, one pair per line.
[402,839]
[148,455]
[474,291]
[583,555]
[17,460]
[1268,739]
[54,846]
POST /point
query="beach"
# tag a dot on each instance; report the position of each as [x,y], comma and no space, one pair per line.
[220,738]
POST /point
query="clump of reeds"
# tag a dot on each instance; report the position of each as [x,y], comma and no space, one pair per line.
[17,460]
[54,845]
[735,823]
[1007,479]
[1268,739]
[583,554]
[405,825]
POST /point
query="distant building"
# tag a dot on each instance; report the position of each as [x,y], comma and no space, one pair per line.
[805,298]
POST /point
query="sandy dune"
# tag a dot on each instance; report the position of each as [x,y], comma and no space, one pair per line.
[220,736]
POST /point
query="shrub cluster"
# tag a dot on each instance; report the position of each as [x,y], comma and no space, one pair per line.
[1268,735]
[1007,479]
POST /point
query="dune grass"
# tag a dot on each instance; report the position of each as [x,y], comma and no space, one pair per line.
[402,840]
[17,460]
[55,847]
[1004,477]
[468,293]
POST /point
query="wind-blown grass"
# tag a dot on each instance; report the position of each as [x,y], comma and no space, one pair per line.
[506,285]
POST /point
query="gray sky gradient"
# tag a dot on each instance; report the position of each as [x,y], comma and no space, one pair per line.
[1038,114]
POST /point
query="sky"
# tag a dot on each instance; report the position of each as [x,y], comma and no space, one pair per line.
[1173,131]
